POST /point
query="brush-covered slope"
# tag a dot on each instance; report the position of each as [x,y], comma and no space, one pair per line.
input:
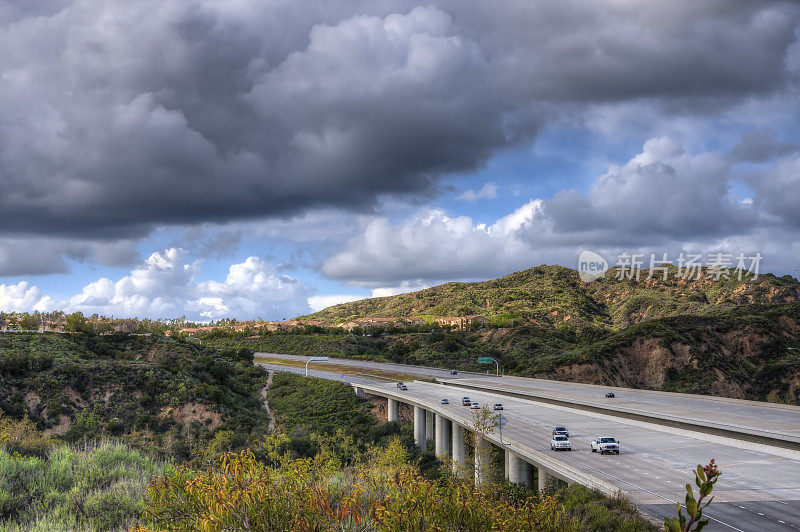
[556,294]
[161,394]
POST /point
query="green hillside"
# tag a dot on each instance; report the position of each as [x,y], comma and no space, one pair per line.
[730,337]
[164,396]
[555,294]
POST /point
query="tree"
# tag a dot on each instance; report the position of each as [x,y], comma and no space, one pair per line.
[483,423]
[29,322]
[76,323]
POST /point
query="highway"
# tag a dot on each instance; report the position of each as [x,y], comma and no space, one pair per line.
[735,414]
[757,491]
[751,416]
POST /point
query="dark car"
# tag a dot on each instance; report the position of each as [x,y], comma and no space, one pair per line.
[453,372]
[610,395]
[561,431]
[400,384]
[498,406]
[445,401]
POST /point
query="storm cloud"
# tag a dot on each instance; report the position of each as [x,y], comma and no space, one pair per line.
[122,116]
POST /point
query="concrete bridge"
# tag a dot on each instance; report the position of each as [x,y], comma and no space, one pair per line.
[452,429]
[759,489]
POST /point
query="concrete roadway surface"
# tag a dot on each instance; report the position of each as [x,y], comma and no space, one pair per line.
[752,416]
[366,365]
[756,491]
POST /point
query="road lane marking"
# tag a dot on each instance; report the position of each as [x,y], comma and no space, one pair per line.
[755,461]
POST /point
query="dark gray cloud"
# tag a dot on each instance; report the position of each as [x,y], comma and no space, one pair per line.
[759,145]
[45,255]
[122,116]
[777,193]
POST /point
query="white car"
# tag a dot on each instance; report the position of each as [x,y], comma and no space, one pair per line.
[560,443]
[476,406]
[605,445]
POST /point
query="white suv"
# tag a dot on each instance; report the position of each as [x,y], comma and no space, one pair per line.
[560,443]
[605,445]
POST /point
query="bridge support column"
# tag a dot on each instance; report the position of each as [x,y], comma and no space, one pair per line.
[518,471]
[544,478]
[419,426]
[392,410]
[459,447]
[482,464]
[360,393]
[429,422]
[442,436]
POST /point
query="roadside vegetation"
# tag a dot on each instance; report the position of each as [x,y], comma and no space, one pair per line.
[162,396]
[329,465]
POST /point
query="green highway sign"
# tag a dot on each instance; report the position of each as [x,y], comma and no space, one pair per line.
[485,360]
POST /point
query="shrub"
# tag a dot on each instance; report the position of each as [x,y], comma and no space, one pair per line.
[243,493]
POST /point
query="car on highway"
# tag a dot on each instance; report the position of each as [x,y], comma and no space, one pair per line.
[562,431]
[610,395]
[445,401]
[453,372]
[403,387]
[560,443]
[466,401]
[476,406]
[498,406]
[400,384]
[605,445]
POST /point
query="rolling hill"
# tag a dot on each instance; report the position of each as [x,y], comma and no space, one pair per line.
[556,295]
[726,337]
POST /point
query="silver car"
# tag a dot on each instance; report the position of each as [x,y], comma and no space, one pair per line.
[560,443]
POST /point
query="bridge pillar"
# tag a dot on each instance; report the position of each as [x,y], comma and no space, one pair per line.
[360,393]
[442,436]
[518,471]
[544,478]
[392,410]
[459,447]
[419,426]
[429,422]
[482,463]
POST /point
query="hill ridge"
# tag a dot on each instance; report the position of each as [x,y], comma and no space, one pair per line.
[556,294]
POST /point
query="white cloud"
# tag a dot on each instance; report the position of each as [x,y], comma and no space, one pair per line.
[253,287]
[22,297]
[434,246]
[662,200]
[489,191]
[318,303]
[165,286]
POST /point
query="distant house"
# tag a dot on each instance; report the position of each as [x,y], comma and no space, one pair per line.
[463,323]
[386,322]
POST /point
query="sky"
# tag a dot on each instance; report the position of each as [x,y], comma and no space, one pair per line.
[265,159]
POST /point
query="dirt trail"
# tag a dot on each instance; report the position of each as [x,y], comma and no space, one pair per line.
[263,395]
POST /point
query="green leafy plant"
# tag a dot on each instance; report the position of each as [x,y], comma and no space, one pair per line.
[705,477]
